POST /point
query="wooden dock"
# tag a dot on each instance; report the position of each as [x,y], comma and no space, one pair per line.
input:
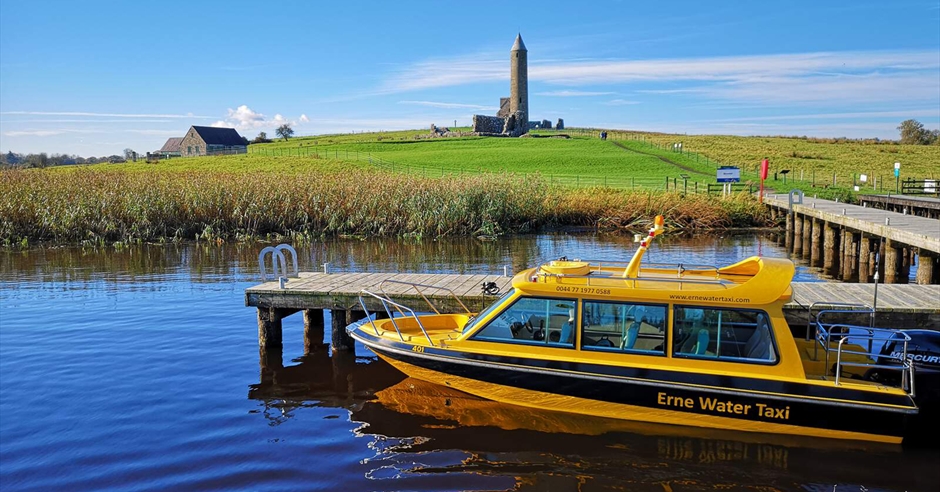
[313,292]
[854,243]
[914,205]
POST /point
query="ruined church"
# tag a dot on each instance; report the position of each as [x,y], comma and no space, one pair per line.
[513,116]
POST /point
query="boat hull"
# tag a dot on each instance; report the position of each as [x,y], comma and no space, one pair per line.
[652,396]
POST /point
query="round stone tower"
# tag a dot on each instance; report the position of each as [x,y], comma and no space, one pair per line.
[519,82]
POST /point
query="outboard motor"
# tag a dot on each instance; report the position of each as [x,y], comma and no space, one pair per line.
[923,350]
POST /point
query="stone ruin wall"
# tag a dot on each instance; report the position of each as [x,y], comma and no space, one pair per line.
[488,124]
[503,107]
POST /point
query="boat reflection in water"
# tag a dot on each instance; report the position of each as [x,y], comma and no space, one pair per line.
[428,434]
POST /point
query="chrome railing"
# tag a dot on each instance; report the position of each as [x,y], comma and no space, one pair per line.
[842,308]
[401,308]
[418,289]
[597,266]
[278,259]
[850,336]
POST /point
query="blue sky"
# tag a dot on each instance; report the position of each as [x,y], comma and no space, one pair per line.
[92,78]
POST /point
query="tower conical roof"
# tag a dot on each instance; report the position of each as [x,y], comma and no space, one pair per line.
[518,45]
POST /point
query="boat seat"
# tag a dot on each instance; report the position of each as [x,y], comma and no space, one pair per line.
[562,336]
[696,343]
[632,333]
[566,332]
[758,346]
[604,342]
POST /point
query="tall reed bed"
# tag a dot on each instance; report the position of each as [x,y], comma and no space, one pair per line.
[106,205]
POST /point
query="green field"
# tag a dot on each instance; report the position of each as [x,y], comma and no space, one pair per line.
[822,166]
[580,160]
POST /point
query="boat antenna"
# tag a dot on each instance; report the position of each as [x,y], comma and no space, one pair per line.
[633,269]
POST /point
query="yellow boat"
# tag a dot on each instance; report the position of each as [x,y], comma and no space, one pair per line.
[675,344]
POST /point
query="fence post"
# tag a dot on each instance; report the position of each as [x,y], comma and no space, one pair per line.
[667,183]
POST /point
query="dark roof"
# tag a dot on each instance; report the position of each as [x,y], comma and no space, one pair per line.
[219,136]
[518,45]
[172,144]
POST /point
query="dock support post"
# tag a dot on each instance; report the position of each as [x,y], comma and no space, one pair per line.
[788,240]
[807,236]
[270,342]
[269,328]
[341,340]
[864,254]
[891,262]
[815,258]
[830,260]
[797,235]
[313,329]
[850,259]
[907,258]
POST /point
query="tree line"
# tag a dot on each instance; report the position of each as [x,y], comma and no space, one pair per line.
[43,159]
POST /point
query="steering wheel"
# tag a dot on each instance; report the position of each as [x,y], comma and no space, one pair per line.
[517,326]
[527,323]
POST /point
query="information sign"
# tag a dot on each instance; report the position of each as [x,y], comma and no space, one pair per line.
[729,174]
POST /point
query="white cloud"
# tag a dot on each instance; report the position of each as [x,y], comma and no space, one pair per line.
[573,93]
[244,118]
[446,72]
[731,68]
[848,76]
[304,119]
[620,102]
[918,113]
[109,115]
[34,133]
[82,121]
[157,132]
[447,105]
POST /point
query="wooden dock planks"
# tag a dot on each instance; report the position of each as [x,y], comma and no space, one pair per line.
[341,291]
[920,232]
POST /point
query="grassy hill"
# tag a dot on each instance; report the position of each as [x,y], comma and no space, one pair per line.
[581,160]
[628,159]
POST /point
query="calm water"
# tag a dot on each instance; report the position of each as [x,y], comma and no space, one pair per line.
[138,369]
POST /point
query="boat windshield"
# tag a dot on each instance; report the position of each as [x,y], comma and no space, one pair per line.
[475,319]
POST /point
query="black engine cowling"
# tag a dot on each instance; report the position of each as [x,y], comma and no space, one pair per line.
[923,350]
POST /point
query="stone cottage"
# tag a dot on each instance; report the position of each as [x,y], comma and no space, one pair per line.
[208,140]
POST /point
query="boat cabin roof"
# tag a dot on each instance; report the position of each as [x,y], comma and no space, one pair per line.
[753,281]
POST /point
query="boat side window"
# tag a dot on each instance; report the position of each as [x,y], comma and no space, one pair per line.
[732,335]
[534,320]
[623,327]
[474,321]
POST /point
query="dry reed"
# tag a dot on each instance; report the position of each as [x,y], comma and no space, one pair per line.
[102,206]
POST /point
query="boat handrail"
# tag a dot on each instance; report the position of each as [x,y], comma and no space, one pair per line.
[634,280]
[841,308]
[599,264]
[861,335]
[386,302]
[417,287]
